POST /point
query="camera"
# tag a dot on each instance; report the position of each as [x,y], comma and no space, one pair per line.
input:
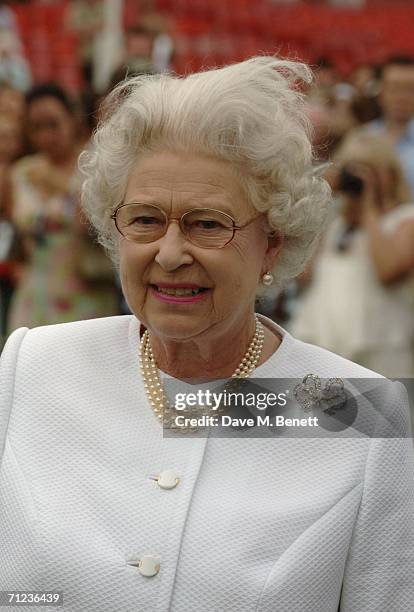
[349,183]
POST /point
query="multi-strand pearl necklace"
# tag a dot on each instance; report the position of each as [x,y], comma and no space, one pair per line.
[152,381]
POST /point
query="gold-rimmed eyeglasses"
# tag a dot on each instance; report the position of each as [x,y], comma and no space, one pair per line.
[204,227]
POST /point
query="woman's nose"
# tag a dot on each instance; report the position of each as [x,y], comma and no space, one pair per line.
[173,248]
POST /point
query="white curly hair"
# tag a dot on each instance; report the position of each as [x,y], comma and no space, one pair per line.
[251,113]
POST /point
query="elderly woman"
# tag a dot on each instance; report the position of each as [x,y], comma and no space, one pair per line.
[202,189]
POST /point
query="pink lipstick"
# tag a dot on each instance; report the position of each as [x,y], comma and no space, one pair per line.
[184,293]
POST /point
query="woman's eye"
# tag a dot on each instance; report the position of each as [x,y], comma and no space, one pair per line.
[207,224]
[145,221]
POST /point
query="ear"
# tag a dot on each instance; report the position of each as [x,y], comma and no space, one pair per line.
[273,251]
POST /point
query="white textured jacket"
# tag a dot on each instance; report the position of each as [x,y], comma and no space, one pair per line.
[281,525]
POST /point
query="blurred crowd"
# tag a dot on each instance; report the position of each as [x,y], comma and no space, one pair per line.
[357,296]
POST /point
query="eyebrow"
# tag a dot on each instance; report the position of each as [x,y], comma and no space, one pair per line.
[220,206]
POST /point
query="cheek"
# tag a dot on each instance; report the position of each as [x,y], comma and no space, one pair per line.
[132,256]
[243,265]
[250,251]
[132,264]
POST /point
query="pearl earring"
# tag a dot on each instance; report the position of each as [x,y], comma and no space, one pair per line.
[267,279]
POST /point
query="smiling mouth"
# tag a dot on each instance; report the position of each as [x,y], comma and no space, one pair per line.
[179,291]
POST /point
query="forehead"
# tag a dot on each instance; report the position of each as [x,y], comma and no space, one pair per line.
[47,106]
[399,74]
[180,179]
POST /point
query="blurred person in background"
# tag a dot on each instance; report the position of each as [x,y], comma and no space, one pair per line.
[65,276]
[329,107]
[137,58]
[365,81]
[14,69]
[163,43]
[360,302]
[11,146]
[86,19]
[8,20]
[397,104]
[108,45]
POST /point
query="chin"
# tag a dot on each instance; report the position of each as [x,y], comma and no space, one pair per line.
[175,326]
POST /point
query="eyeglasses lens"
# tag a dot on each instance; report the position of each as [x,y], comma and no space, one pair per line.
[141,223]
[204,228]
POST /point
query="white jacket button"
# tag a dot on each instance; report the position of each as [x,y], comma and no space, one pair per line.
[168,479]
[149,566]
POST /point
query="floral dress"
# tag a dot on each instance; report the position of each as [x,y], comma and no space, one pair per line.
[51,288]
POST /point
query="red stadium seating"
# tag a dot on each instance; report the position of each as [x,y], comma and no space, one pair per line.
[221,31]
